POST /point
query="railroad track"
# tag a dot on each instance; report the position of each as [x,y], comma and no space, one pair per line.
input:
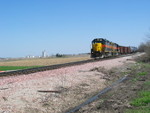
[51,67]
[43,68]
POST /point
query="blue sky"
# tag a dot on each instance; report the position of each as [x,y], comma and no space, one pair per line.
[27,27]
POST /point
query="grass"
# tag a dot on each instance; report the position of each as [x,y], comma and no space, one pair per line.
[139,75]
[142,100]
[141,104]
[142,73]
[6,68]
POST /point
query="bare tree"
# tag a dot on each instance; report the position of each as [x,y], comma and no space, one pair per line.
[145,47]
[142,47]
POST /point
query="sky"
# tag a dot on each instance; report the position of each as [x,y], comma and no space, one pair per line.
[27,27]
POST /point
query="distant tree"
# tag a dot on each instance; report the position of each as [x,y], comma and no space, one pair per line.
[147,48]
[142,47]
[59,55]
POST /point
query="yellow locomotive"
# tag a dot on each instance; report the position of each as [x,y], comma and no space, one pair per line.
[103,48]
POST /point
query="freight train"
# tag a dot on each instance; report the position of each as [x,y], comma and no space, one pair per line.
[103,48]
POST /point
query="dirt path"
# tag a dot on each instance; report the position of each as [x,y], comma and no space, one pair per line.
[67,87]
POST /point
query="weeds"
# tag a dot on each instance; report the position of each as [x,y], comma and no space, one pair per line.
[141,104]
[142,73]
[139,75]
[143,100]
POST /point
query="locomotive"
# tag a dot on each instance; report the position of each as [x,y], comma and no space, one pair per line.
[103,48]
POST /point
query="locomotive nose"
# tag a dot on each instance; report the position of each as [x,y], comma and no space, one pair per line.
[98,47]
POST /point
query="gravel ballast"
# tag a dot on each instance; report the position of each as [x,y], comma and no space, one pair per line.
[64,88]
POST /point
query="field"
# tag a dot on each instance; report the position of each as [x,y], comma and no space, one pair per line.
[29,63]
[6,68]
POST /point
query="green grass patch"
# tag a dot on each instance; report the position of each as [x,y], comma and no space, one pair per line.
[141,103]
[6,68]
[143,100]
[142,73]
[139,75]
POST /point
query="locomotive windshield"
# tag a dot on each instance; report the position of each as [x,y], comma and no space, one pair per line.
[100,40]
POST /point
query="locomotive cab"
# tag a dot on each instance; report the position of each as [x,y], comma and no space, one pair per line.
[97,48]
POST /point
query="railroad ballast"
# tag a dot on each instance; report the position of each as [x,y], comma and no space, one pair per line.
[104,48]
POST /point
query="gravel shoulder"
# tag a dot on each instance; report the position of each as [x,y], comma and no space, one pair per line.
[64,88]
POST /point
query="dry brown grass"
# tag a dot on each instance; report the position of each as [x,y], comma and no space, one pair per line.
[42,61]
